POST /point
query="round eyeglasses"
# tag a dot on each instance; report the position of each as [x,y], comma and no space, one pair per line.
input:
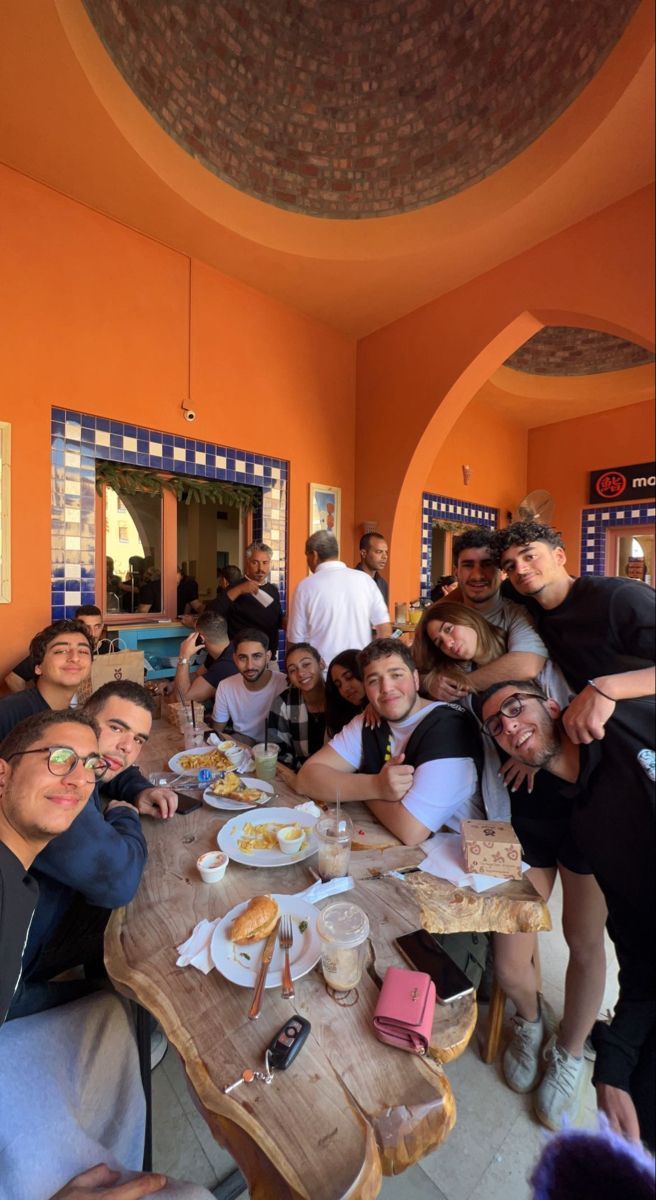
[511,707]
[62,760]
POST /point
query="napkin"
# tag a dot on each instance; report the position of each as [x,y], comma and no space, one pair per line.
[195,952]
[444,859]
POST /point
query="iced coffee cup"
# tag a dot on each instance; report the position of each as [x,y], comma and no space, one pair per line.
[334,835]
[266,760]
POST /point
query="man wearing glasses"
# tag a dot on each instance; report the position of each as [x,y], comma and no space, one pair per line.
[611,783]
[97,864]
[62,654]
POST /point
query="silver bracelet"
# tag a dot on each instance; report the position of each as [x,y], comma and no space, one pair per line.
[592,684]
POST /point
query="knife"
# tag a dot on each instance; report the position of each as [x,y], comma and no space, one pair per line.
[267,955]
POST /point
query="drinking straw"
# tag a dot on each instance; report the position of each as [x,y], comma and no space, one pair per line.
[266,736]
[337,798]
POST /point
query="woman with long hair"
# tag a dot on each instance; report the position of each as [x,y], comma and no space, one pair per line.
[452,638]
[297,720]
[345,694]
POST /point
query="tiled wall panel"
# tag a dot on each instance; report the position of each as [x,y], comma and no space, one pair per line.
[79,439]
[596,521]
[448,508]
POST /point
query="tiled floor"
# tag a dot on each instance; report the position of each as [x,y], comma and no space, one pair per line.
[488,1155]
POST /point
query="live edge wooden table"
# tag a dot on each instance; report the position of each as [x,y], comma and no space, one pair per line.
[350,1109]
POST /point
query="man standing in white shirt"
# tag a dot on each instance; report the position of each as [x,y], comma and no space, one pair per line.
[418,769]
[246,699]
[336,607]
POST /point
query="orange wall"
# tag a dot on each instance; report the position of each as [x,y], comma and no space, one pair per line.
[494,447]
[416,376]
[95,317]
[560,457]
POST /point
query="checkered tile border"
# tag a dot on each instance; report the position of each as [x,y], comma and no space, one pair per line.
[447,508]
[595,522]
[78,439]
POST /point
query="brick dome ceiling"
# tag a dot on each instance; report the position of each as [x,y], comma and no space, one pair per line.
[357,108]
[564,350]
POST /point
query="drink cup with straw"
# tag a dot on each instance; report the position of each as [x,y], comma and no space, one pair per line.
[266,757]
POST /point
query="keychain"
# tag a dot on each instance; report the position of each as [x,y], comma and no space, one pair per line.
[279,1055]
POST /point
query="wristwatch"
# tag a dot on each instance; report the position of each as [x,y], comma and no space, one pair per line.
[182,662]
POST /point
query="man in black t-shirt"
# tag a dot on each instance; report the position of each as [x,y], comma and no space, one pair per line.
[22,675]
[212,632]
[187,594]
[600,631]
[612,783]
[243,608]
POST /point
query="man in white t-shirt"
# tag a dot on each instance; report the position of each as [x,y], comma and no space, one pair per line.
[336,607]
[418,770]
[245,699]
[479,588]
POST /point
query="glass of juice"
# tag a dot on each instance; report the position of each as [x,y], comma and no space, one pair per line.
[266,760]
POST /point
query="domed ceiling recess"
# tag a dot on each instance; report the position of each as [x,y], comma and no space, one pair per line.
[357,108]
[564,350]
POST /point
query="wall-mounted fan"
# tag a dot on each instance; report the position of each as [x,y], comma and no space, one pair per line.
[537,506]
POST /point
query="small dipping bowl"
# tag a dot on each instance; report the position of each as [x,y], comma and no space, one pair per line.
[290,845]
[212,866]
[231,750]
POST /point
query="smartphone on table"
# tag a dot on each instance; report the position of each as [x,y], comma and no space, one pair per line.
[187,804]
[422,950]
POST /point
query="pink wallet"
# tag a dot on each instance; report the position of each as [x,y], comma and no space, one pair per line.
[405,1009]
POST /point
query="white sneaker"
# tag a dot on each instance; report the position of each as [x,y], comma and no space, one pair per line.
[521,1064]
[158,1047]
[559,1092]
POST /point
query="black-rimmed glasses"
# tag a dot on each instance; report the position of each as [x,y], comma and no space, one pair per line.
[62,760]
[511,707]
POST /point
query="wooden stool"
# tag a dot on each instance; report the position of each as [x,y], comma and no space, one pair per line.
[490,1048]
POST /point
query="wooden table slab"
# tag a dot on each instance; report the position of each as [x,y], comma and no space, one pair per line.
[350,1109]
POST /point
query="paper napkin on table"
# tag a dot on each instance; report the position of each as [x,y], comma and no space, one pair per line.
[195,952]
[444,859]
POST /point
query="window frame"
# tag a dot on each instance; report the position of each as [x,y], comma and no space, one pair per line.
[168,569]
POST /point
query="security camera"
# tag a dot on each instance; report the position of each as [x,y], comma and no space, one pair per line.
[189,414]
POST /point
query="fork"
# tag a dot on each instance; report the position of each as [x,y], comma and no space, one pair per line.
[286,938]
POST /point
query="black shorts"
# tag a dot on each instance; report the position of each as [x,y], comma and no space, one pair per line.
[547,842]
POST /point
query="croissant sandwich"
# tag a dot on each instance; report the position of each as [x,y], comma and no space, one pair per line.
[256,922]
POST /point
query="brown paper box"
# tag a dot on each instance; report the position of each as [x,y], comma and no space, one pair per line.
[491,848]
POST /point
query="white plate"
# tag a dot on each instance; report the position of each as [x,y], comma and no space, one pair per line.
[305,953]
[234,805]
[227,837]
[243,763]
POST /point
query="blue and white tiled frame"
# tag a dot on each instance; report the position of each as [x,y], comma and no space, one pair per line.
[596,521]
[448,508]
[78,439]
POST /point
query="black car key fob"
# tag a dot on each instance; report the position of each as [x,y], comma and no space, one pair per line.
[286,1044]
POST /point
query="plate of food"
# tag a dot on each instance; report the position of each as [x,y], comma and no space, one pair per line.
[216,758]
[238,940]
[253,840]
[236,793]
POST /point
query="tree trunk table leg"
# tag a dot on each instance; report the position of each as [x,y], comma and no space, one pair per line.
[494,1023]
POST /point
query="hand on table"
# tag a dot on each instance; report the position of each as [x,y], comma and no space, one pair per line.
[100,1182]
[286,775]
[618,1106]
[514,773]
[395,779]
[158,802]
[585,717]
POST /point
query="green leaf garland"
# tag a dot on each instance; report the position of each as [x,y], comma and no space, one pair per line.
[129,481]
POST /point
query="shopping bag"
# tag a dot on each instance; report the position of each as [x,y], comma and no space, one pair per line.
[108,668]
